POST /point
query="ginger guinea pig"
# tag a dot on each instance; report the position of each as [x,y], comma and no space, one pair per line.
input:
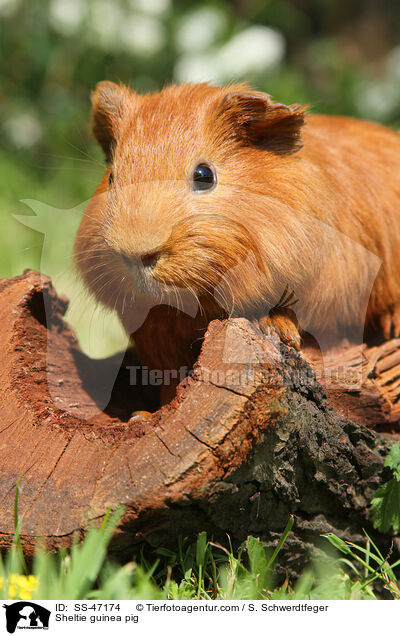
[217,200]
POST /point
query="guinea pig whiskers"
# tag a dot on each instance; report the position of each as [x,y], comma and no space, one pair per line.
[206,293]
[90,158]
[196,297]
[177,299]
[123,303]
[117,297]
[107,284]
[92,235]
[190,289]
[223,296]
[104,287]
[90,250]
[225,303]
[204,284]
[97,267]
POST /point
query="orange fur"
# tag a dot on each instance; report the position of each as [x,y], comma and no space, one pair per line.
[303,202]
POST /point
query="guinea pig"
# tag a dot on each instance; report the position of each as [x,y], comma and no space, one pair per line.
[216,201]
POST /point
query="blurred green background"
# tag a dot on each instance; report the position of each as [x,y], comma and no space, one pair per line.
[339,56]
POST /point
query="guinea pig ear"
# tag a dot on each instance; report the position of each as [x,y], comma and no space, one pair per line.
[107,111]
[255,119]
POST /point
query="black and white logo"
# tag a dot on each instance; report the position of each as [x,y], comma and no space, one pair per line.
[26,615]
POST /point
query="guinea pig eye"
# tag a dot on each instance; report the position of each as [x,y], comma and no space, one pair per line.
[110,178]
[204,178]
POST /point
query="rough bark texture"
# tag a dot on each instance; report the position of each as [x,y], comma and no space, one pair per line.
[250,438]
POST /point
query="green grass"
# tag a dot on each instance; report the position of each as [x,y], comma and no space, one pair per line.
[200,569]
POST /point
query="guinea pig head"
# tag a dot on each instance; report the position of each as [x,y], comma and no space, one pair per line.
[181,206]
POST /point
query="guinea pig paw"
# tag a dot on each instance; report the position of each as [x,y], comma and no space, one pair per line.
[284,326]
[390,323]
[140,416]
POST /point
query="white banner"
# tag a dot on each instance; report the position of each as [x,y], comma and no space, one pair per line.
[194,617]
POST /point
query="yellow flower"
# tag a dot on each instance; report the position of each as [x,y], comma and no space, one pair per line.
[20,587]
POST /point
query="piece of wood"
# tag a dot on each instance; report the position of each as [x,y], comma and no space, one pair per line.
[249,439]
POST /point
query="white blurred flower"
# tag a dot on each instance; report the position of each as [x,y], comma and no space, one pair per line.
[197,68]
[155,7]
[24,130]
[142,35]
[105,22]
[254,51]
[200,29]
[7,7]
[377,100]
[380,98]
[66,16]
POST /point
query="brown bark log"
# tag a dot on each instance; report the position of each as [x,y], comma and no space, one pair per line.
[250,438]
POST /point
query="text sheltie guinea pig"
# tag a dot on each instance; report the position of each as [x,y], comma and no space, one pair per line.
[223,196]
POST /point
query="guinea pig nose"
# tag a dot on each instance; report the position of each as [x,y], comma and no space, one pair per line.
[150,260]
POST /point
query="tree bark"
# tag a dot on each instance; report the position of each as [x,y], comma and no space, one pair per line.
[250,438]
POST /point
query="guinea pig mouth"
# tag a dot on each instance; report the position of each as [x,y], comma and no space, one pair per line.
[142,280]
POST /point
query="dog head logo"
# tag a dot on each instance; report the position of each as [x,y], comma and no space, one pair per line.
[26,615]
